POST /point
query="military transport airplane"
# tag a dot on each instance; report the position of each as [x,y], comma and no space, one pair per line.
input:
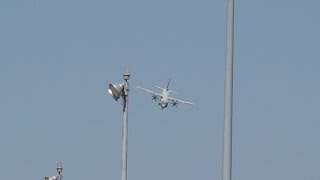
[164,97]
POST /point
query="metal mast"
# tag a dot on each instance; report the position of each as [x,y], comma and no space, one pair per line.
[227,136]
[122,91]
[126,77]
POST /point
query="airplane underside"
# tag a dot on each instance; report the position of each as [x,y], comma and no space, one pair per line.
[163,105]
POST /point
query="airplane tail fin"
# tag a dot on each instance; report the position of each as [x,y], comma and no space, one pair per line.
[167,88]
[168,84]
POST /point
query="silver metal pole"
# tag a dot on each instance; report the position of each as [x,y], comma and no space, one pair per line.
[227,136]
[126,77]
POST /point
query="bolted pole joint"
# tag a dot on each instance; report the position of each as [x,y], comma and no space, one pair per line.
[59,167]
[126,75]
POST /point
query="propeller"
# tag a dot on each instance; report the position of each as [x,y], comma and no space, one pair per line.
[154,97]
[174,103]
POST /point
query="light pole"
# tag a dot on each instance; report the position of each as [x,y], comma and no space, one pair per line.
[59,171]
[227,132]
[117,91]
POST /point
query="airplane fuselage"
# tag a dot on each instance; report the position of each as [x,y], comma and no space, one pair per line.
[164,98]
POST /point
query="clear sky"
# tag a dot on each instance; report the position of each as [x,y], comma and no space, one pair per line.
[58,56]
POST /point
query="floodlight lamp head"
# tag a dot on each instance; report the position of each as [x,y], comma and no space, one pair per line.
[116,90]
[51,178]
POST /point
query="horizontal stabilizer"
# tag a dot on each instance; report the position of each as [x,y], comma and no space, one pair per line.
[160,87]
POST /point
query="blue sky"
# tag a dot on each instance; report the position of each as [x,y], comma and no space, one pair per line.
[57,57]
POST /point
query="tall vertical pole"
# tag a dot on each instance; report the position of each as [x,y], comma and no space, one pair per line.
[227,136]
[126,77]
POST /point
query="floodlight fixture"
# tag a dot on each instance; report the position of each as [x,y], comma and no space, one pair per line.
[51,178]
[116,90]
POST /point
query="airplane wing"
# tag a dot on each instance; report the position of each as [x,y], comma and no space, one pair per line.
[151,92]
[180,101]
